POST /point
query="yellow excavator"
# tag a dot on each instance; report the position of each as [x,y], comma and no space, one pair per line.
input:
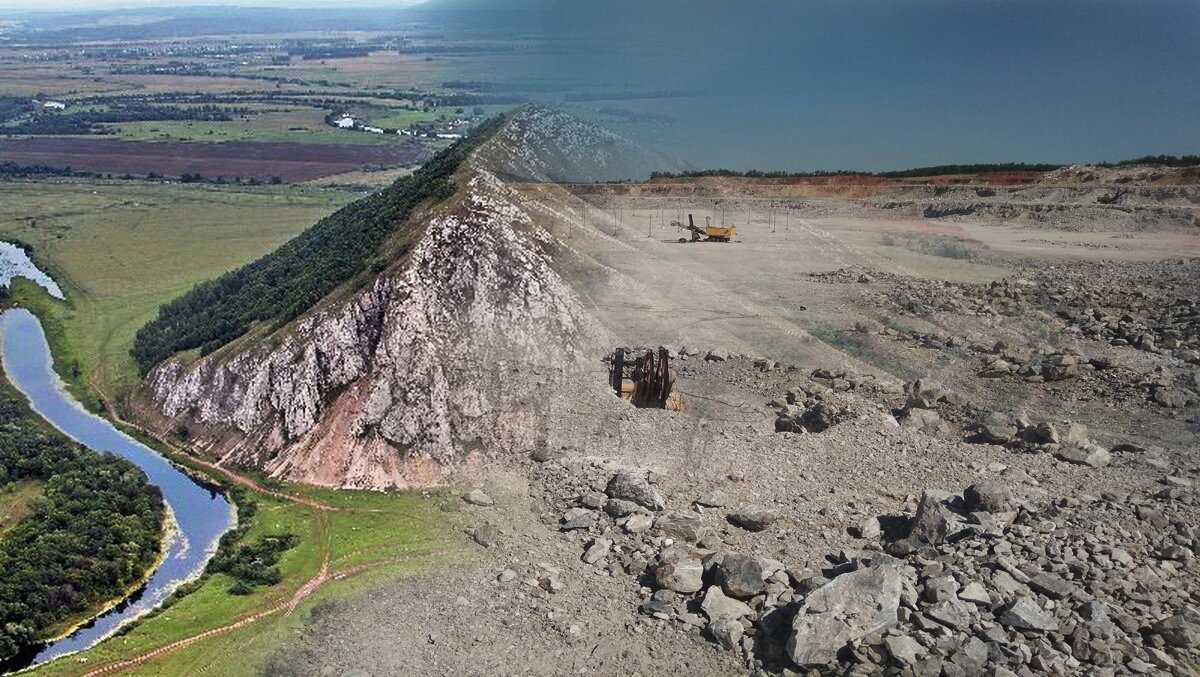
[709,233]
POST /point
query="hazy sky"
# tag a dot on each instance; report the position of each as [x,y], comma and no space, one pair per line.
[66,5]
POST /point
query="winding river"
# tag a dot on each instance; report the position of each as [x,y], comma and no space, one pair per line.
[200,514]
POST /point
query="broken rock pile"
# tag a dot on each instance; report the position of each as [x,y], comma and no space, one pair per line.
[981,582]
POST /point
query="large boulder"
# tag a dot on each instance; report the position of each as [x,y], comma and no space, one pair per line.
[934,521]
[717,605]
[928,421]
[1181,630]
[925,394]
[987,497]
[685,576]
[740,576]
[848,608]
[633,486]
[1089,454]
[754,517]
[998,428]
[1025,614]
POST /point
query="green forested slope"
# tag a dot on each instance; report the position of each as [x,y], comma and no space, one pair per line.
[283,284]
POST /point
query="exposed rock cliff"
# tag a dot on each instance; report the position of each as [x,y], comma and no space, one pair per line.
[409,377]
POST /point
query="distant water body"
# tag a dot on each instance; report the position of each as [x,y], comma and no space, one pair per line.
[201,515]
[14,262]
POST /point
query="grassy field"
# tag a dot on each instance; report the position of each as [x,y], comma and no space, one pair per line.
[401,118]
[368,538]
[120,250]
[14,502]
[302,125]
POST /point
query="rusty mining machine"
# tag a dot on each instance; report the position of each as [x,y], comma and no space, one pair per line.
[647,381]
[709,233]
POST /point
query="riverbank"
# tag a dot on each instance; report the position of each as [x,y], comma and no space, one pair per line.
[93,538]
[201,514]
[170,529]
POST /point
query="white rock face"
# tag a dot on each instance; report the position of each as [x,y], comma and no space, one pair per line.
[427,369]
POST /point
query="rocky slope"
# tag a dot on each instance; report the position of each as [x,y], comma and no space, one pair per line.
[406,378]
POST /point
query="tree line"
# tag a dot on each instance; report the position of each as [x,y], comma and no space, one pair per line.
[88,122]
[936,170]
[282,285]
[94,532]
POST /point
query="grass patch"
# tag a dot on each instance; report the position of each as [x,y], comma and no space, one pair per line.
[400,118]
[14,502]
[372,539]
[247,130]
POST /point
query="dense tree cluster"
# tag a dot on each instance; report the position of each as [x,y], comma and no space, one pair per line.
[750,174]
[937,170]
[285,283]
[95,531]
[323,52]
[1168,160]
[88,122]
[13,170]
[251,564]
[943,170]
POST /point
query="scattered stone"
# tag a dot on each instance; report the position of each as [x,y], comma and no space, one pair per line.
[477,497]
[754,517]
[578,518]
[597,551]
[684,576]
[717,606]
[987,497]
[740,576]
[1181,630]
[633,486]
[713,499]
[725,632]
[1025,614]
[485,534]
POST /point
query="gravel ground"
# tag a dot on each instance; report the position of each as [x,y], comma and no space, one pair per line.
[796,353]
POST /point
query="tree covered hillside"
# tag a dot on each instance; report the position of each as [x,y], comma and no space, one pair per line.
[285,283]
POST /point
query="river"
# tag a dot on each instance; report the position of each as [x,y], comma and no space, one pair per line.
[201,515]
